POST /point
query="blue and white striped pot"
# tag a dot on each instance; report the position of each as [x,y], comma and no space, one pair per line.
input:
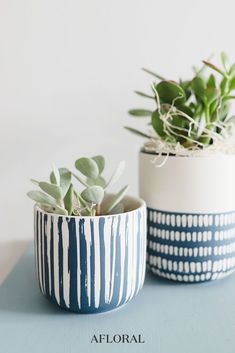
[91,264]
[191,215]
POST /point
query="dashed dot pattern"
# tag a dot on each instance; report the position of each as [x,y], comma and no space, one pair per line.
[191,247]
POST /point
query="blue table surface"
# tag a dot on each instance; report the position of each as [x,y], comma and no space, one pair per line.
[171,318]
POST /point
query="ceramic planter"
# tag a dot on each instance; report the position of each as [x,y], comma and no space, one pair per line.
[191,215]
[91,264]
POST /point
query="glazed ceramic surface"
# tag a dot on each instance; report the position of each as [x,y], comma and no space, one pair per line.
[91,264]
[191,216]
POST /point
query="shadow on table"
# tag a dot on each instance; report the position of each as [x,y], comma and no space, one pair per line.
[154,280]
[20,292]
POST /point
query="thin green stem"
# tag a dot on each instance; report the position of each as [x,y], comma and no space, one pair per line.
[207,111]
[154,74]
[212,66]
[142,94]
[98,210]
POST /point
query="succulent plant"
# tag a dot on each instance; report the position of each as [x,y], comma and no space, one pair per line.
[190,112]
[59,195]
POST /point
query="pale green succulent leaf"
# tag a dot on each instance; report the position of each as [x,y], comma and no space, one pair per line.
[53,209]
[100,181]
[93,194]
[55,176]
[119,208]
[83,182]
[86,212]
[80,200]
[65,180]
[51,189]
[88,167]
[117,173]
[116,199]
[68,200]
[35,182]
[100,161]
[40,197]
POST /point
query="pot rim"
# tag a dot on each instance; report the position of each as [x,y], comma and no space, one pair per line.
[142,205]
[208,156]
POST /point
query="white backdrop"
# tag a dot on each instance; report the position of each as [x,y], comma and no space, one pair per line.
[68,69]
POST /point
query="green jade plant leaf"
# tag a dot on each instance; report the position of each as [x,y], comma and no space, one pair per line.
[190,112]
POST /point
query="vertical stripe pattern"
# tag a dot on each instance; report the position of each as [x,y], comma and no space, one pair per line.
[90,264]
[191,247]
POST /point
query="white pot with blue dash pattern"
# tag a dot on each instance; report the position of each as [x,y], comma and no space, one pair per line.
[91,264]
[190,214]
